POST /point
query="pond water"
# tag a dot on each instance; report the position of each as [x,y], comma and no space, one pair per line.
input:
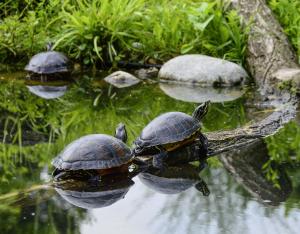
[35,127]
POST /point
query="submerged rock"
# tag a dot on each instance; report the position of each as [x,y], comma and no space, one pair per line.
[121,79]
[147,73]
[197,94]
[202,70]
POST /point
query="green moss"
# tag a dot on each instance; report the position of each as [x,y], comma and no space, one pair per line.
[290,86]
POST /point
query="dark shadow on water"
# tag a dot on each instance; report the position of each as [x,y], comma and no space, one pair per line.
[89,196]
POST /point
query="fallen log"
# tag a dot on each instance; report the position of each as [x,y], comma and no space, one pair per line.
[268,53]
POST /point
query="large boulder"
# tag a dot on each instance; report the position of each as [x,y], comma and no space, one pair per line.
[202,70]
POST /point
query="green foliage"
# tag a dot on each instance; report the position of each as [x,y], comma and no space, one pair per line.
[93,31]
[170,28]
[26,33]
[288,13]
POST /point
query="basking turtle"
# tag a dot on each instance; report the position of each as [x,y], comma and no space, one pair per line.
[95,154]
[173,179]
[89,196]
[46,64]
[170,131]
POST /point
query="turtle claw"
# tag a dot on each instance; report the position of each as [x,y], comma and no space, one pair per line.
[203,164]
[202,187]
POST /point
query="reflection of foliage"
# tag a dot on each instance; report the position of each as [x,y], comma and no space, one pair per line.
[284,147]
[294,201]
[48,125]
[35,212]
[8,217]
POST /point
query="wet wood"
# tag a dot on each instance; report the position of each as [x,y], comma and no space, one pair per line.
[268,51]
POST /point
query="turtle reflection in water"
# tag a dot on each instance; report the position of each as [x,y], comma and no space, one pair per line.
[48,65]
[171,131]
[88,196]
[174,179]
[93,156]
[47,91]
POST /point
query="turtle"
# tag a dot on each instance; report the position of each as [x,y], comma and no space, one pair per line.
[171,131]
[88,195]
[174,179]
[49,63]
[94,155]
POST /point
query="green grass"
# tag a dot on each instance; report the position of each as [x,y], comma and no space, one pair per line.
[288,14]
[93,31]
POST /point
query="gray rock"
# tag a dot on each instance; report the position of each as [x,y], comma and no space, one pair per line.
[202,70]
[197,94]
[288,74]
[147,73]
[121,79]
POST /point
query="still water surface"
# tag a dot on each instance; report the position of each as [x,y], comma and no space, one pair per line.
[35,129]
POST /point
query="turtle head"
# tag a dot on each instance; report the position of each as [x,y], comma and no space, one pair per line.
[49,46]
[201,110]
[121,133]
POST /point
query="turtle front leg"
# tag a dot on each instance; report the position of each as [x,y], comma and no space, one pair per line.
[202,150]
[201,186]
[159,159]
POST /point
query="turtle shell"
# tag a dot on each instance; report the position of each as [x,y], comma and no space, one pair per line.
[95,151]
[49,62]
[168,128]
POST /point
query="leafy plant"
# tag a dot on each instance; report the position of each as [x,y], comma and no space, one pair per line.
[101,31]
[288,13]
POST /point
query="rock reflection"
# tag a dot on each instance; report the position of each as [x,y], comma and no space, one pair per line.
[89,195]
[246,166]
[197,94]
